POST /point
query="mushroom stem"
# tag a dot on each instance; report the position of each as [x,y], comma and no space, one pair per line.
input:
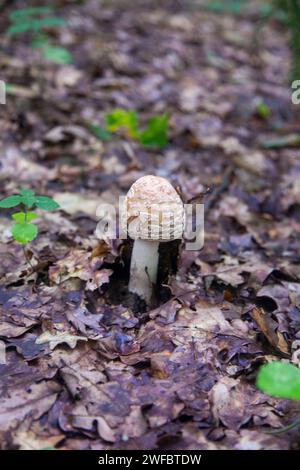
[143,268]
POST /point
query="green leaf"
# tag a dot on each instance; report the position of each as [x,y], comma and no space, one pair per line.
[46,203]
[20,28]
[263,110]
[100,132]
[28,201]
[39,40]
[22,13]
[10,201]
[122,118]
[156,133]
[34,25]
[22,217]
[27,192]
[230,6]
[279,379]
[24,233]
[58,55]
[49,22]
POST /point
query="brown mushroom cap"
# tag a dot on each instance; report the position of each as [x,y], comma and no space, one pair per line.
[153,210]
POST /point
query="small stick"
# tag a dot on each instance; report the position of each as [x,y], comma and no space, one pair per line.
[27,259]
[285,428]
[216,193]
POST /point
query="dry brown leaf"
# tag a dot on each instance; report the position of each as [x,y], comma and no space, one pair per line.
[58,338]
[27,440]
[230,404]
[269,328]
[34,401]
[82,265]
[15,164]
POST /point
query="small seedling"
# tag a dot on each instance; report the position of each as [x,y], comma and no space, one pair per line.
[156,132]
[34,21]
[154,135]
[281,380]
[263,111]
[120,118]
[24,231]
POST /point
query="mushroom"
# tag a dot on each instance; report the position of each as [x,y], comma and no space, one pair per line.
[152,213]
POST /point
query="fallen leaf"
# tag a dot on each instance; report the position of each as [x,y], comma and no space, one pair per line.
[83,265]
[269,328]
[33,401]
[2,353]
[58,338]
[27,440]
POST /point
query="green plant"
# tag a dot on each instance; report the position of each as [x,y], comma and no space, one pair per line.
[34,21]
[24,231]
[156,132]
[121,118]
[263,110]
[288,12]
[154,135]
[229,6]
[279,379]
[291,8]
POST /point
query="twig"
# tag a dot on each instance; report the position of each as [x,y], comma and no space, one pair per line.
[285,428]
[27,259]
[216,193]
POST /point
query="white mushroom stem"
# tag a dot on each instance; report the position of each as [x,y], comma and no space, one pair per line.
[143,268]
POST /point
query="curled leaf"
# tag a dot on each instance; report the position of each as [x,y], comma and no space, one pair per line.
[61,337]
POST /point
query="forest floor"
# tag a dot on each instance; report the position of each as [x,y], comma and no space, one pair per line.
[81,370]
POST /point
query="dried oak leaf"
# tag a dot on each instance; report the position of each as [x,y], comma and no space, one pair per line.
[83,420]
[202,324]
[17,374]
[20,311]
[234,403]
[269,328]
[34,401]
[82,265]
[28,440]
[228,404]
[82,376]
[237,275]
[58,338]
[248,439]
[84,321]
[27,347]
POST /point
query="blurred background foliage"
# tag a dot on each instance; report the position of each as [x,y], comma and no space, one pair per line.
[35,17]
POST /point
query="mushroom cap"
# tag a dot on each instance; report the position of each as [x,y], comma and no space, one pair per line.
[153,210]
